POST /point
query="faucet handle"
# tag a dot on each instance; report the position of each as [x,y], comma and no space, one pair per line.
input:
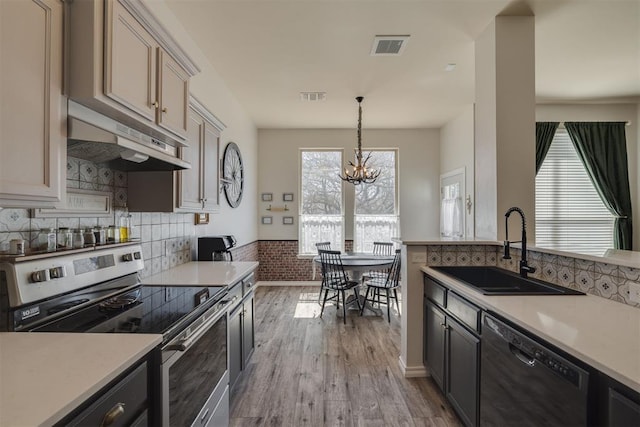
[507,246]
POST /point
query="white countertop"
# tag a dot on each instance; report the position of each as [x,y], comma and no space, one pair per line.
[203,273]
[603,333]
[45,376]
[450,241]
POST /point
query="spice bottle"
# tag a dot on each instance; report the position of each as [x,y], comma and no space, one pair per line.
[47,239]
[65,238]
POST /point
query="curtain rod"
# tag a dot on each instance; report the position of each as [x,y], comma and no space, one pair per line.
[627,123]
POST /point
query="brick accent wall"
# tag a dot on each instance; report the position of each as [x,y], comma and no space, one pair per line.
[279,261]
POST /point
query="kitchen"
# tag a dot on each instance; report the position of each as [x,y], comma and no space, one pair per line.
[420,214]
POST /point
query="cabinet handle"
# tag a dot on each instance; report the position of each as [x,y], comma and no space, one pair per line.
[165,109]
[114,413]
[155,104]
[443,324]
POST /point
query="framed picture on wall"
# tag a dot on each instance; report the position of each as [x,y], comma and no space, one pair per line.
[267,197]
[287,220]
[202,218]
[267,220]
[287,197]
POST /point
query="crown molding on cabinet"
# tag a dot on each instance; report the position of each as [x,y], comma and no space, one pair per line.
[204,112]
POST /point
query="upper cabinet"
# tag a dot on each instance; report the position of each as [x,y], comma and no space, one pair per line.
[189,190]
[124,65]
[32,127]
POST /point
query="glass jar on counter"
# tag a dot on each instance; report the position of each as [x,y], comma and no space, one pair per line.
[89,237]
[65,238]
[113,234]
[78,238]
[47,239]
[100,234]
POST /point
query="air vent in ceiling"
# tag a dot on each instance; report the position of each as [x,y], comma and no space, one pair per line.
[389,45]
[313,96]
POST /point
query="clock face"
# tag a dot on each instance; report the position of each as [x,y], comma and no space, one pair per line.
[232,174]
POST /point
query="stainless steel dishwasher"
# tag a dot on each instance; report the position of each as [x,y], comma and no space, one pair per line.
[524,383]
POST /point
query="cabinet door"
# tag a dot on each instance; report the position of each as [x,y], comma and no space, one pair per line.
[235,346]
[434,336]
[463,351]
[173,93]
[32,135]
[190,180]
[210,156]
[130,62]
[247,332]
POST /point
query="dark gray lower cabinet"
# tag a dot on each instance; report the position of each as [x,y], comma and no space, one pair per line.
[463,355]
[452,349]
[241,338]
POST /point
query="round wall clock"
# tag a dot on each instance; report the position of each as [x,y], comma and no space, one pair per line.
[232,174]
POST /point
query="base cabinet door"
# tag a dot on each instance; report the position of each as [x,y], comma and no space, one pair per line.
[463,351]
[247,331]
[32,126]
[435,342]
[235,345]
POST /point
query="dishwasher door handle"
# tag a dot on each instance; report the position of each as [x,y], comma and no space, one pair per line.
[523,357]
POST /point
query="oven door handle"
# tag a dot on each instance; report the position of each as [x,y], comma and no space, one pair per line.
[185,344]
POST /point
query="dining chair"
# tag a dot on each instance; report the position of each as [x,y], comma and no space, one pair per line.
[335,279]
[327,247]
[388,283]
[379,248]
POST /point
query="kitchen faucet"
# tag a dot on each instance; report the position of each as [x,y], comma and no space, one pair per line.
[524,267]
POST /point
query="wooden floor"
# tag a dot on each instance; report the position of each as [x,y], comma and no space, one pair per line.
[311,371]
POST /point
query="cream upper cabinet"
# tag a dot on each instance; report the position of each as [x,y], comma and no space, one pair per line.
[123,64]
[32,133]
[190,190]
[131,63]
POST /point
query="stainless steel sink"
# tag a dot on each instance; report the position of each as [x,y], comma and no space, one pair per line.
[497,281]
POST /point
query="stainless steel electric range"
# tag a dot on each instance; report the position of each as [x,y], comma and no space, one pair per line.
[99,290]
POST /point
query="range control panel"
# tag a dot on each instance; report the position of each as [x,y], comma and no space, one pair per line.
[37,279]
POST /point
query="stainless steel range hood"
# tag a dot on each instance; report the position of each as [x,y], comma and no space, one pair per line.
[100,139]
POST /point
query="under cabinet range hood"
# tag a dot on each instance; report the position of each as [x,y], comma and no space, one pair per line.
[100,139]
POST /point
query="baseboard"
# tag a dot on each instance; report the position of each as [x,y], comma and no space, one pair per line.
[412,371]
[289,283]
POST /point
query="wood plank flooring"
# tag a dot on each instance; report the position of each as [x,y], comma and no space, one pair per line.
[312,371]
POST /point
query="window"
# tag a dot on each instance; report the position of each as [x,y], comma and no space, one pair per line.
[321,200]
[569,213]
[376,204]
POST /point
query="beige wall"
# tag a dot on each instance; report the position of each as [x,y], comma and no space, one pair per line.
[418,156]
[456,151]
[607,112]
[210,89]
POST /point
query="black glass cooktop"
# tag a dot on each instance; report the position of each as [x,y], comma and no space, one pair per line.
[145,310]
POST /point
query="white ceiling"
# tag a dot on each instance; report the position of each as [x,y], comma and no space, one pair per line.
[269,51]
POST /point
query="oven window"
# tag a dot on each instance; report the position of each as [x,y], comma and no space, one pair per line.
[194,376]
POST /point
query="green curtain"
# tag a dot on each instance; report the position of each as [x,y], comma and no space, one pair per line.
[544,135]
[602,147]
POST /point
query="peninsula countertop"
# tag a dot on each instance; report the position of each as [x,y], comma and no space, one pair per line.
[45,376]
[203,273]
[602,333]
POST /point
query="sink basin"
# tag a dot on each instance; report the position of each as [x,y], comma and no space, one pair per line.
[497,281]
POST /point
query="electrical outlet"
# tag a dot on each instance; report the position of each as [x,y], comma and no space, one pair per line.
[168,294]
[634,292]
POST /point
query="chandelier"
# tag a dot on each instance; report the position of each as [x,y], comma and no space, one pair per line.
[360,173]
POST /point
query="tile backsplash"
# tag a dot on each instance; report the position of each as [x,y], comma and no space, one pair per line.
[166,238]
[596,278]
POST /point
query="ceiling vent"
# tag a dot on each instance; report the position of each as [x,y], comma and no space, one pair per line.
[389,45]
[313,96]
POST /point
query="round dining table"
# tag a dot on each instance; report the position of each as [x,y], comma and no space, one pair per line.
[358,263]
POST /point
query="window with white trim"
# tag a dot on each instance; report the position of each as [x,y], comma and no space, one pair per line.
[376,205]
[321,200]
[569,212]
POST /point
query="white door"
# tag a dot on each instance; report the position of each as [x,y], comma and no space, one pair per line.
[452,215]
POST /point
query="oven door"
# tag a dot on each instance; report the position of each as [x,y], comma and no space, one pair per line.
[195,381]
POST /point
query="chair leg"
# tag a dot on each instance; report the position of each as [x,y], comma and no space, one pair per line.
[388,306]
[344,308]
[395,292]
[326,293]
[320,293]
[355,294]
[366,297]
